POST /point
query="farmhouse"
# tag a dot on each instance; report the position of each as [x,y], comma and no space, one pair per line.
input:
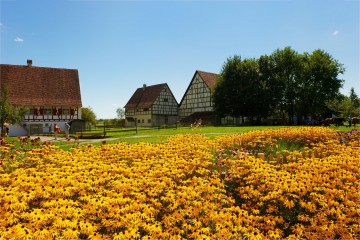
[151,106]
[197,101]
[51,95]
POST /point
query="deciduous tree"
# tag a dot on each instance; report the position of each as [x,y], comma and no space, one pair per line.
[285,82]
[345,105]
[120,112]
[319,82]
[88,115]
[287,73]
[9,113]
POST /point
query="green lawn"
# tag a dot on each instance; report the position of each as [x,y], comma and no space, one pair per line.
[161,135]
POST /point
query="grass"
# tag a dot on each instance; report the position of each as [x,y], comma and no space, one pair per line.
[161,135]
[188,130]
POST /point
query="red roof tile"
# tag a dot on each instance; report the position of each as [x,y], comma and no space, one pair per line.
[145,96]
[209,78]
[41,86]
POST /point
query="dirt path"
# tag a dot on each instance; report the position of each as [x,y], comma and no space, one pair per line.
[72,140]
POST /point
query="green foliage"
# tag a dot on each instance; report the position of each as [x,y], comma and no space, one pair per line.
[287,72]
[8,112]
[225,95]
[239,85]
[319,82]
[88,115]
[345,105]
[118,122]
[120,112]
[285,82]
[355,100]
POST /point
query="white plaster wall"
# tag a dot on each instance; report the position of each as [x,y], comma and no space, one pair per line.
[22,129]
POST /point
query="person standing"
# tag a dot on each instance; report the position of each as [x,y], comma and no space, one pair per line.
[67,129]
[349,120]
[56,130]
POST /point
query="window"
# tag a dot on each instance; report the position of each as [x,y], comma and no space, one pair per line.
[166,120]
[47,111]
[165,100]
[149,120]
[145,109]
[66,111]
[142,120]
[138,120]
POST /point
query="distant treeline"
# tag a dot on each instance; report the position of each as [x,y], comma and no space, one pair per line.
[284,84]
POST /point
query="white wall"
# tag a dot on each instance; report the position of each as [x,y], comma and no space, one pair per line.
[23,129]
[17,130]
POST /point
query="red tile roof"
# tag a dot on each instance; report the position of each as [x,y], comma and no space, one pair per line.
[145,96]
[41,86]
[209,78]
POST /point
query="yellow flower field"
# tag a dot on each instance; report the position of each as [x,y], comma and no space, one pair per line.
[236,186]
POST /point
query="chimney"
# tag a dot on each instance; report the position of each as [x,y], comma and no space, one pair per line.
[29,62]
[144,86]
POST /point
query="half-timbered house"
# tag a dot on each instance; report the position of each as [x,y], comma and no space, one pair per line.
[151,106]
[197,101]
[51,95]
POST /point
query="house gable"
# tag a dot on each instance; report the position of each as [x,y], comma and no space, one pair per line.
[165,103]
[145,96]
[197,97]
[151,106]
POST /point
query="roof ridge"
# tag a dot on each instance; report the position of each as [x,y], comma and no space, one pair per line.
[207,72]
[26,66]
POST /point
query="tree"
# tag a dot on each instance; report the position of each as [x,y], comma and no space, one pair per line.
[241,89]
[250,90]
[88,115]
[286,83]
[225,92]
[120,113]
[345,105]
[287,72]
[355,100]
[272,86]
[8,112]
[319,82]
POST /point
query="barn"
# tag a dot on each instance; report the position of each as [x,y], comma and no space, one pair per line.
[197,101]
[151,106]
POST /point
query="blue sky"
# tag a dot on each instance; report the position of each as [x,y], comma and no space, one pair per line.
[119,45]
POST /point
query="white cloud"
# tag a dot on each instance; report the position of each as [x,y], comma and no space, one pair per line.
[18,39]
[336,32]
[115,105]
